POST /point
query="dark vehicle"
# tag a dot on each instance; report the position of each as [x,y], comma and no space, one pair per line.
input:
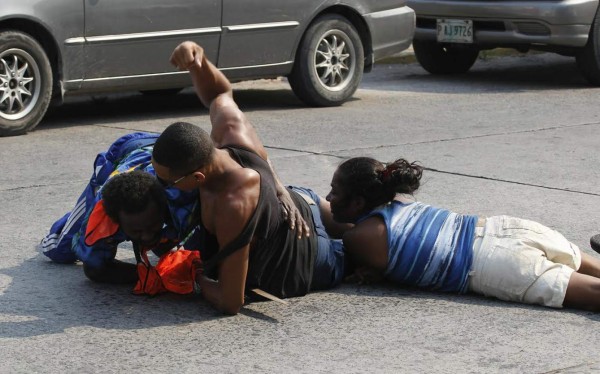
[450,33]
[52,48]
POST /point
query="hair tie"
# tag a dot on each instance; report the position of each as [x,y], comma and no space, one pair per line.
[387,172]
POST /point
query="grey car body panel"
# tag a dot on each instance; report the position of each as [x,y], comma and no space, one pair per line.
[386,26]
[127,19]
[281,42]
[103,52]
[63,19]
[244,24]
[566,22]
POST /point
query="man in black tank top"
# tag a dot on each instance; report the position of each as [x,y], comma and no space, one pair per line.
[241,200]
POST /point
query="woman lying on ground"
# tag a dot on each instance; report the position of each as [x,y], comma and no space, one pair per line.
[411,243]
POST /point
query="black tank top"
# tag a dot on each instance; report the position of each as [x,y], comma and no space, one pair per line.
[279,263]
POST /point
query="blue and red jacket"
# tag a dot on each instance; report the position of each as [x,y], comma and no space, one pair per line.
[66,242]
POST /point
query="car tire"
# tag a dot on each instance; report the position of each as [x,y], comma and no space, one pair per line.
[588,58]
[329,62]
[439,58]
[25,83]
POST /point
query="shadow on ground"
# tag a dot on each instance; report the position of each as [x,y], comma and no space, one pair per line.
[48,298]
[499,75]
[117,108]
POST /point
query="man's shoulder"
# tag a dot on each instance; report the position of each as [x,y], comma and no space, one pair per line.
[239,186]
[234,204]
[240,180]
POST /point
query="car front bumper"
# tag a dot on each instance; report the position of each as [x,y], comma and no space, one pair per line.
[391,31]
[546,22]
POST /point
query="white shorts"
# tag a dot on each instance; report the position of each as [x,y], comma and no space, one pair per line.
[519,260]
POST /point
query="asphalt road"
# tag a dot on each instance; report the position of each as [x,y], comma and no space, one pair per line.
[517,136]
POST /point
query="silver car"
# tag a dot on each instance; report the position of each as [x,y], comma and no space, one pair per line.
[52,48]
[450,33]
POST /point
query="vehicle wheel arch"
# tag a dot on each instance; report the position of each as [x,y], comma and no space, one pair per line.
[43,36]
[588,57]
[28,92]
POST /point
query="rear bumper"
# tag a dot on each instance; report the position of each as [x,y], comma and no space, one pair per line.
[561,23]
[391,31]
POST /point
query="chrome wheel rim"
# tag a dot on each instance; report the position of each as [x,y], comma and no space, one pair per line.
[335,60]
[19,84]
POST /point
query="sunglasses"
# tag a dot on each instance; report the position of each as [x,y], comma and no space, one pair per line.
[166,184]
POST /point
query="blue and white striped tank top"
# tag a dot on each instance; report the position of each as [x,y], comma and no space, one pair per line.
[428,247]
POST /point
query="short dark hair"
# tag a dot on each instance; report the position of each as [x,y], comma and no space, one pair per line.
[376,182]
[183,148]
[132,192]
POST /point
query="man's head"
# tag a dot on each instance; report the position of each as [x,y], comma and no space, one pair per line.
[179,152]
[137,202]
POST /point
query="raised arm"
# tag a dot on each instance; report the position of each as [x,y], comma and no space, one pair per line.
[208,80]
[229,124]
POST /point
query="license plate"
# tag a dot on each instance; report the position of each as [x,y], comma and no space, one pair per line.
[454,31]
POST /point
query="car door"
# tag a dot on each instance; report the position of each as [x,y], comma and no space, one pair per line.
[127,40]
[261,33]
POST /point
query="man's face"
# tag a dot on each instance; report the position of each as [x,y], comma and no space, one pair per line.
[144,227]
[167,180]
[342,205]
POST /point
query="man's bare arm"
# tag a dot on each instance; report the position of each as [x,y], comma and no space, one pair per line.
[227,294]
[208,81]
[235,210]
[229,124]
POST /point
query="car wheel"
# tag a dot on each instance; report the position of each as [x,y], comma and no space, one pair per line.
[25,83]
[439,58]
[329,62]
[588,58]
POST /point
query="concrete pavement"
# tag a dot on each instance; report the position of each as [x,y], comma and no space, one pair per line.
[517,136]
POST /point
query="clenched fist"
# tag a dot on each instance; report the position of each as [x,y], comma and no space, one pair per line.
[187,55]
